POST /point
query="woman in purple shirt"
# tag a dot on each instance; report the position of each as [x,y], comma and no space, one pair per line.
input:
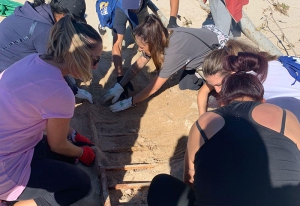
[34,97]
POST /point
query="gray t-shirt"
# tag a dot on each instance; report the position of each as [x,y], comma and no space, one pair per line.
[185,50]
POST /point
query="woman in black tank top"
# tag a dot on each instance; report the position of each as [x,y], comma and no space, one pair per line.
[244,153]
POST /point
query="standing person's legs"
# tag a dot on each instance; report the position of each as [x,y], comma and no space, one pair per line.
[222,18]
[54,182]
[166,190]
[120,21]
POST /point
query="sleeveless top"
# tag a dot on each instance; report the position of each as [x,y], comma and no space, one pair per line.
[246,163]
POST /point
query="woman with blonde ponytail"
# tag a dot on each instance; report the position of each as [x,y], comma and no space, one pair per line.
[34,97]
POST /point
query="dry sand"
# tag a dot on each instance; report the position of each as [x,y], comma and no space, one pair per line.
[157,129]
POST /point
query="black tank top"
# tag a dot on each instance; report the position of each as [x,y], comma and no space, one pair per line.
[246,163]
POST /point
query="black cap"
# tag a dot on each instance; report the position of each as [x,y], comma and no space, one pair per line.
[76,7]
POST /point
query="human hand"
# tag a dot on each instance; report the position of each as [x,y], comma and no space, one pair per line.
[172,22]
[80,140]
[125,94]
[83,94]
[114,93]
[88,156]
[188,176]
[121,105]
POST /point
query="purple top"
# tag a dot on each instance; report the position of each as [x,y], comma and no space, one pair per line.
[31,91]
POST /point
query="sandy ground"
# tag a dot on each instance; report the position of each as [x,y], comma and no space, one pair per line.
[155,132]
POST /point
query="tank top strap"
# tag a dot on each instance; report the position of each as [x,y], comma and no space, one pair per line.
[201,132]
[283,122]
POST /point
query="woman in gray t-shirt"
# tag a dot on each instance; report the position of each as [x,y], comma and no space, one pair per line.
[173,50]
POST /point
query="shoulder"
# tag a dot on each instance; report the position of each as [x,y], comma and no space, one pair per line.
[267,108]
[211,123]
[268,115]
[210,118]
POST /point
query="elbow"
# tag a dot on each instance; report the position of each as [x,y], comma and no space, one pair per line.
[57,148]
[155,89]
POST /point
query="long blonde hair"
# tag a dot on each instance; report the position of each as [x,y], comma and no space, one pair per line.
[70,44]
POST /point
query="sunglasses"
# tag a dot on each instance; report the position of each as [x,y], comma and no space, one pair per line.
[95,60]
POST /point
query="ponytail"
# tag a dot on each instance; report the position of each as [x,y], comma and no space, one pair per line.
[247,62]
[248,71]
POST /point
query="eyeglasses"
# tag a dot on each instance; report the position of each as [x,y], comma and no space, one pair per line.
[95,60]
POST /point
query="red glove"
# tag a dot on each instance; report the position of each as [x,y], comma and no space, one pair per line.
[80,140]
[88,156]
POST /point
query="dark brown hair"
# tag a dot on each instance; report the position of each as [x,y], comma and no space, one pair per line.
[247,71]
[153,32]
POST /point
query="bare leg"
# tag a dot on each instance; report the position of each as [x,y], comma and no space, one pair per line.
[174,4]
[117,53]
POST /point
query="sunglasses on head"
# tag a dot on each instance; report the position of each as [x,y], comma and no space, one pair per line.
[95,60]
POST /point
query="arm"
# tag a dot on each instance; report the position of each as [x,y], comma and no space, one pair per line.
[134,69]
[202,98]
[189,171]
[117,53]
[150,89]
[114,93]
[211,123]
[57,131]
[193,146]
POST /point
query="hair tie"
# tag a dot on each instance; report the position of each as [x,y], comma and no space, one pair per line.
[241,72]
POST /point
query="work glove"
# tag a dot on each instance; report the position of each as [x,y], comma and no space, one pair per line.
[80,140]
[83,94]
[88,156]
[79,93]
[125,95]
[114,93]
[121,105]
[172,22]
